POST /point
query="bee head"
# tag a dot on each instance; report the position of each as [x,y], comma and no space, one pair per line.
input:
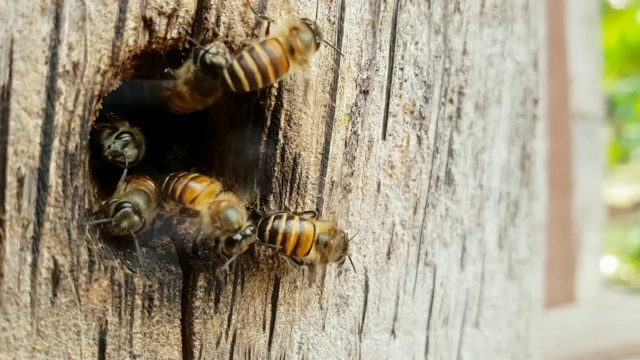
[336,246]
[126,219]
[212,59]
[125,149]
[310,34]
[235,232]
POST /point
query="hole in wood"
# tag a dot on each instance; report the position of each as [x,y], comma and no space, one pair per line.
[223,141]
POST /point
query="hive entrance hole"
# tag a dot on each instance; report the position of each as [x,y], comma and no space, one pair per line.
[222,141]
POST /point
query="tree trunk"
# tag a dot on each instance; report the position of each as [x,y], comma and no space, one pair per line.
[427,137]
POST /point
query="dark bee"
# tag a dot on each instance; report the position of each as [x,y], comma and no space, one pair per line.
[120,143]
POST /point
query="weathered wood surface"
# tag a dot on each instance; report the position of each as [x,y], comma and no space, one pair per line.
[427,137]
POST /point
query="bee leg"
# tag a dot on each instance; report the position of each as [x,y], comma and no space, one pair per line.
[297,261]
[264,30]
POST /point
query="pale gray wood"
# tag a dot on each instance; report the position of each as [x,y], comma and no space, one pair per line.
[449,205]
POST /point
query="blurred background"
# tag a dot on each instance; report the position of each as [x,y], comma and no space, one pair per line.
[592,299]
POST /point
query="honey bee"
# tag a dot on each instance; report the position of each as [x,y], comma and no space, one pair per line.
[198,80]
[305,239]
[132,207]
[223,217]
[291,46]
[120,143]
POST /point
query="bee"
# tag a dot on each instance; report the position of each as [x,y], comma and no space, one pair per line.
[223,217]
[132,207]
[120,143]
[198,80]
[303,238]
[291,46]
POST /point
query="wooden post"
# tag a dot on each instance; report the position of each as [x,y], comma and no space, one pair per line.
[428,137]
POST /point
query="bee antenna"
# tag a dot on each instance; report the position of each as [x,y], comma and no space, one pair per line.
[100,221]
[137,244]
[353,236]
[226,265]
[112,114]
[124,173]
[317,6]
[333,47]
[351,261]
[192,40]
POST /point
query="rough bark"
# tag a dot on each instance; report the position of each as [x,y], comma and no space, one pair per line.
[427,137]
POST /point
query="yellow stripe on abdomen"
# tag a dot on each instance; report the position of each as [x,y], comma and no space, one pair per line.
[257,66]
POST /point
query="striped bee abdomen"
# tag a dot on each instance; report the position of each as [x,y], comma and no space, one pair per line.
[294,234]
[144,183]
[192,190]
[257,66]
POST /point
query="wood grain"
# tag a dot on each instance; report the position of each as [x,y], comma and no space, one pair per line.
[427,137]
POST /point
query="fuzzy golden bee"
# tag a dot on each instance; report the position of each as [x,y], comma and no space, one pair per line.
[291,46]
[223,216]
[304,238]
[198,80]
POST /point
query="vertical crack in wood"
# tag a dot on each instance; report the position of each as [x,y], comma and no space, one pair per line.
[232,348]
[395,311]
[448,176]
[130,298]
[189,280]
[275,294]
[199,18]
[217,293]
[5,115]
[268,159]
[46,148]
[444,84]
[188,293]
[390,66]
[331,113]
[118,32]
[462,325]
[102,338]
[393,234]
[55,280]
[148,299]
[295,180]
[232,305]
[480,299]
[364,304]
[422,226]
[430,313]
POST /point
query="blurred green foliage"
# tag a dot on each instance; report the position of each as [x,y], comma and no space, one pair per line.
[621,42]
[621,80]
